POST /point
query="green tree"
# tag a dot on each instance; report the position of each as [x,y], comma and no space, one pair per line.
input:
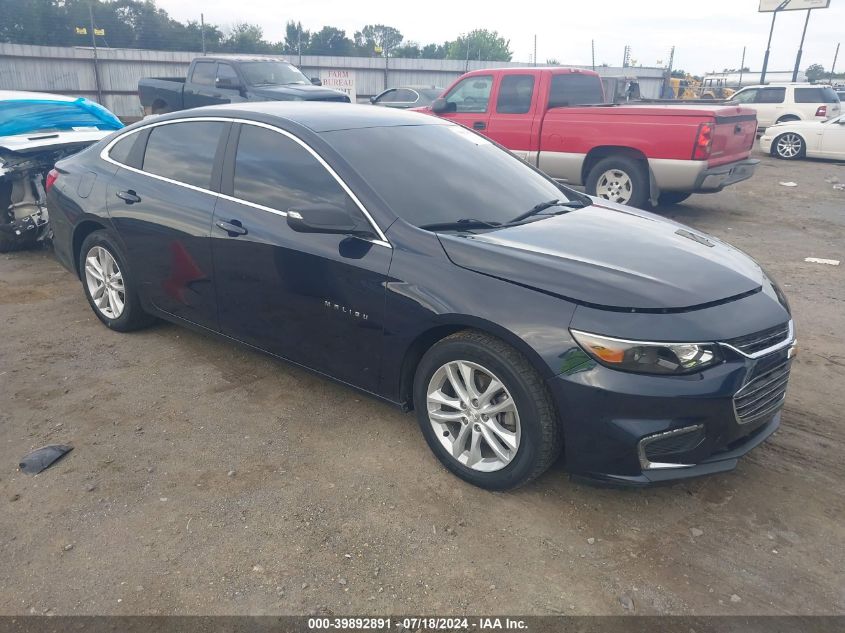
[378,36]
[296,37]
[481,44]
[815,72]
[435,51]
[246,38]
[408,49]
[330,41]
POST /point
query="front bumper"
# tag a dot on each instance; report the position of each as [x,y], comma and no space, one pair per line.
[717,178]
[609,416]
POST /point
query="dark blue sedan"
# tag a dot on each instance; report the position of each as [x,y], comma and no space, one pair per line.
[415,260]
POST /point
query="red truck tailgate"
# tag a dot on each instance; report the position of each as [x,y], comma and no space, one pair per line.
[733,136]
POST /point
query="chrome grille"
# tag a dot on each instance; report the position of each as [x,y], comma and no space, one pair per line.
[757,342]
[763,395]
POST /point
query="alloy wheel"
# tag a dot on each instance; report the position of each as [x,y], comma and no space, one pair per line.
[615,185]
[474,416]
[789,145]
[105,282]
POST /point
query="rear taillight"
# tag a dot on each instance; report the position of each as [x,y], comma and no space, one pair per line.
[703,142]
[822,111]
[52,176]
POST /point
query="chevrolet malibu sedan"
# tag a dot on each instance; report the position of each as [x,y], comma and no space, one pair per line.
[417,261]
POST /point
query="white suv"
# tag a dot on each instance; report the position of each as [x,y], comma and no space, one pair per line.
[779,103]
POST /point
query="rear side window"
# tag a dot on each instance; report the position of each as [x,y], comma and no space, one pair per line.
[815,95]
[121,150]
[572,89]
[184,151]
[472,94]
[515,94]
[203,73]
[275,172]
[771,95]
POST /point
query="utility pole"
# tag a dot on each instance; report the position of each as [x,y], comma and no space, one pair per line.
[800,48]
[299,43]
[593,45]
[535,49]
[626,59]
[202,32]
[96,61]
[741,66]
[833,65]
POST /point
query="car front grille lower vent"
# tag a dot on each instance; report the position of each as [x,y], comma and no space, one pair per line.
[763,395]
[657,449]
[759,341]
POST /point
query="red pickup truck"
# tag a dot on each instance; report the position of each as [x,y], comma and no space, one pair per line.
[632,153]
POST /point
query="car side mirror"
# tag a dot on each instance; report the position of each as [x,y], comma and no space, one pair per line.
[440,105]
[316,81]
[324,218]
[373,99]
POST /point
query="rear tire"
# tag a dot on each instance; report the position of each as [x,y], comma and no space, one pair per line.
[109,285]
[516,441]
[668,198]
[620,179]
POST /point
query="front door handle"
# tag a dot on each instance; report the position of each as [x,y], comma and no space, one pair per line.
[479,125]
[233,228]
[129,197]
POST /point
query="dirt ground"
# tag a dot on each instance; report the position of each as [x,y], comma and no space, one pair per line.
[207,478]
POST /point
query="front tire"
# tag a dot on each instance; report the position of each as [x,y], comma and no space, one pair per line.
[789,146]
[619,179]
[485,412]
[109,286]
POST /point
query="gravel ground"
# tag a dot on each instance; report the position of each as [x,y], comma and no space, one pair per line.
[207,478]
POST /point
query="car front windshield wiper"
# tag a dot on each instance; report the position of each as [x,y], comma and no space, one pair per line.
[539,208]
[463,223]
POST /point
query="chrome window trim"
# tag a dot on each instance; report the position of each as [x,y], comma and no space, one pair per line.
[648,465]
[789,340]
[104,154]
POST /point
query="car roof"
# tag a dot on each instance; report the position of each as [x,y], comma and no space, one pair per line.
[239,58]
[14,95]
[314,115]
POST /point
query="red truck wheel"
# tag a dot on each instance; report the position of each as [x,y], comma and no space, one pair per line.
[619,179]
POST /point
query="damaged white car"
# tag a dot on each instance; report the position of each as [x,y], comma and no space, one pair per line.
[36,130]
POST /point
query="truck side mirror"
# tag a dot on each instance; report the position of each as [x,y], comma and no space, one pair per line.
[440,105]
[316,81]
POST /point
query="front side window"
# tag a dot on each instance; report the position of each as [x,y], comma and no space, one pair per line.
[203,74]
[574,89]
[226,76]
[272,73]
[387,97]
[515,94]
[745,96]
[472,94]
[403,95]
[771,95]
[184,151]
[276,172]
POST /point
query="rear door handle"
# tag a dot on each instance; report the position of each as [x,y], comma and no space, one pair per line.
[479,125]
[233,228]
[129,197]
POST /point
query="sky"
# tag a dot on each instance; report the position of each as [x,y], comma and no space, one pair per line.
[707,34]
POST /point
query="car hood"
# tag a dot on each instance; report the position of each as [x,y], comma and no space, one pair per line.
[613,257]
[306,92]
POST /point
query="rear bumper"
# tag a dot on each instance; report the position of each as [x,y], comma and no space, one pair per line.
[717,178]
[694,176]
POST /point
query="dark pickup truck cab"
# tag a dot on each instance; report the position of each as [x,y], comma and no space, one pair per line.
[215,80]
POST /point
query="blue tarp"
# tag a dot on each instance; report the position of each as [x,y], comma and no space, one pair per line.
[21,116]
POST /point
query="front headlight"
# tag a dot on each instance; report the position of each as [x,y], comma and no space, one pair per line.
[649,358]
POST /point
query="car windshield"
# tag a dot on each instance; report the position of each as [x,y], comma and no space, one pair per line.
[439,173]
[272,74]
